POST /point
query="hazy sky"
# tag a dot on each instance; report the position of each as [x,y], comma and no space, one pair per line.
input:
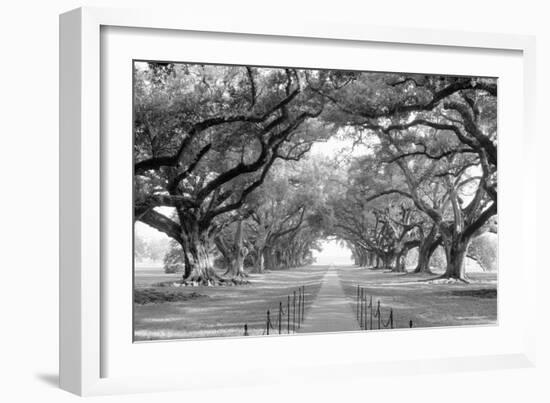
[148,233]
[333,253]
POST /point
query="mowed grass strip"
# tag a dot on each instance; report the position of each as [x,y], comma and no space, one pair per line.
[220,311]
[428,305]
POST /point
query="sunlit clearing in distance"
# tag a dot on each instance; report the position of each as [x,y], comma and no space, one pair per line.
[332,253]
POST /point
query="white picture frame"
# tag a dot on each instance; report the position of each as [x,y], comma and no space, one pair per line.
[83,308]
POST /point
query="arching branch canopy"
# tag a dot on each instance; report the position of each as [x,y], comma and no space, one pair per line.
[263,163]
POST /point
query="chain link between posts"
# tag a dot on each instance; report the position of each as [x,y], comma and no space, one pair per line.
[366,312]
[294,315]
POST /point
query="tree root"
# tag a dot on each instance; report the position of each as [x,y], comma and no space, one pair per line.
[209,278]
[443,279]
[229,273]
[212,279]
[237,281]
[423,272]
[197,282]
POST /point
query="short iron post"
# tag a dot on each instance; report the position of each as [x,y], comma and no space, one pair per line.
[410,323]
[370,305]
[365,314]
[361,309]
[303,301]
[299,307]
[288,314]
[294,313]
[267,323]
[280,315]
[245,329]
[358,301]
[378,314]
[391,318]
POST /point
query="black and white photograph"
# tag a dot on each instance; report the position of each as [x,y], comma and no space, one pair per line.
[275,200]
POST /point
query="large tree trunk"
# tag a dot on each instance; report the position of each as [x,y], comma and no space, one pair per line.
[281,259]
[259,261]
[234,253]
[201,270]
[187,269]
[372,258]
[260,248]
[425,252]
[389,261]
[269,259]
[236,270]
[423,265]
[399,266]
[238,275]
[364,257]
[455,251]
[359,258]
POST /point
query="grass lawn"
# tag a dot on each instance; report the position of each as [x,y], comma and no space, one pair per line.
[217,311]
[146,276]
[427,305]
[222,311]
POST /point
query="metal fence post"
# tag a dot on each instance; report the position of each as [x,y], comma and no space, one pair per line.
[288,314]
[280,315]
[366,327]
[378,314]
[303,301]
[361,309]
[370,304]
[299,307]
[294,313]
[267,332]
[358,302]
[245,329]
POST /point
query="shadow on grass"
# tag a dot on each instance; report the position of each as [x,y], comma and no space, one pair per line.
[480,293]
[427,303]
[224,310]
[159,295]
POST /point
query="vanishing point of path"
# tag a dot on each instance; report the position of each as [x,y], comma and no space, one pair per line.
[331,311]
